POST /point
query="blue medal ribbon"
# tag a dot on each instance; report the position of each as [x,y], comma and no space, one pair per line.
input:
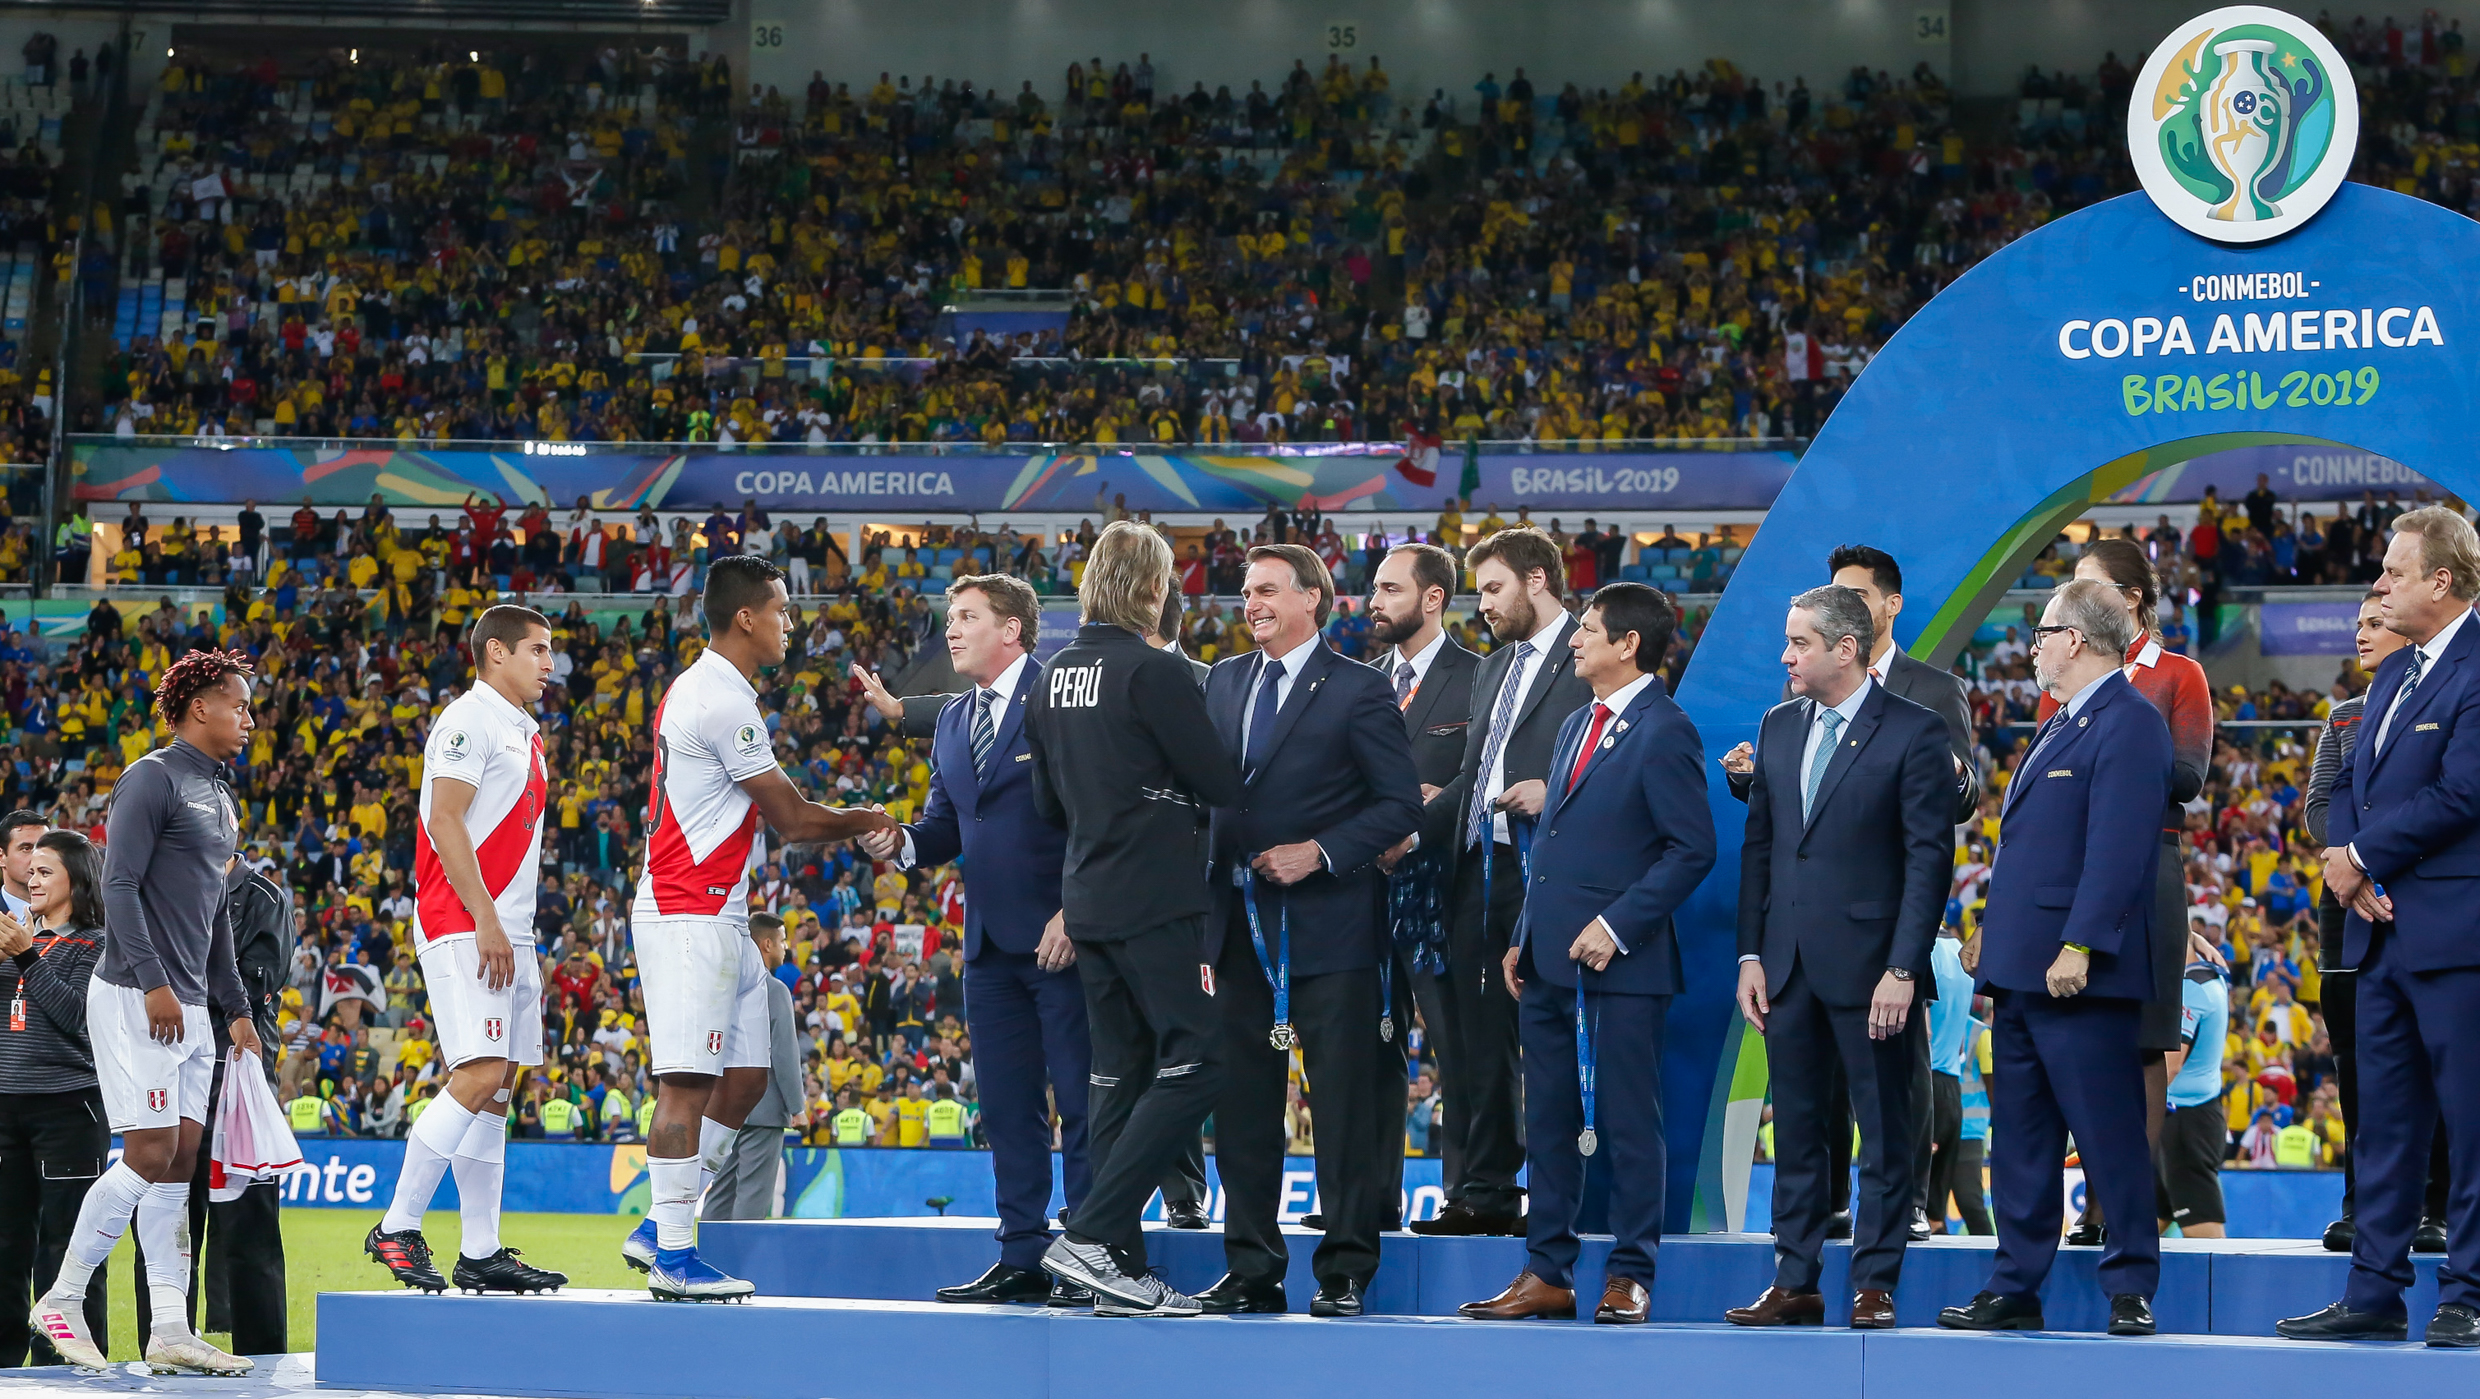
[1586,1140]
[1278,970]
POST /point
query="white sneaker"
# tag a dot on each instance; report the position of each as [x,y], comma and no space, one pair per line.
[1167,1301]
[64,1325]
[1116,1291]
[188,1355]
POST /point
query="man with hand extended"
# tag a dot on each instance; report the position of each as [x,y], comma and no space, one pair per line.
[167,959]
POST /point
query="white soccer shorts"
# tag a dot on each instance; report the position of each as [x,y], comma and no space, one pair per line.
[145,1084]
[705,991]
[474,1021]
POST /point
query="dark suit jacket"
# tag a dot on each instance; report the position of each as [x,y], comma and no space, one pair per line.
[1556,692]
[1012,857]
[1860,885]
[1436,722]
[1639,809]
[921,712]
[1931,688]
[2078,841]
[1338,771]
[2412,808]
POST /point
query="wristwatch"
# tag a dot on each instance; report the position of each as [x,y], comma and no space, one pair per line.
[1899,973]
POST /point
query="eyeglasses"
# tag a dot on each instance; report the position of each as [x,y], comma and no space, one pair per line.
[2041,634]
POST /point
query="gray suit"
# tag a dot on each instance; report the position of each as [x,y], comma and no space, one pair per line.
[744,1186]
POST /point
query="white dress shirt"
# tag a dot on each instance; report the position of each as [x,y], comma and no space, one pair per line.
[1281,674]
[1850,710]
[1551,633]
[1002,690]
[1420,663]
[2432,654]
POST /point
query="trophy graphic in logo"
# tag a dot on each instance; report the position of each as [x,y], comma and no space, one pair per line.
[2243,124]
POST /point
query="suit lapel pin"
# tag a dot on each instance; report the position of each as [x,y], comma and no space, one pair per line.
[1622,728]
[2082,720]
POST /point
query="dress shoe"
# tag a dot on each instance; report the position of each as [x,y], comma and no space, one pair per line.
[1527,1296]
[1920,1229]
[1314,1219]
[1462,1221]
[1229,1296]
[1337,1297]
[1185,1216]
[2454,1325]
[1838,1225]
[1991,1311]
[2340,1323]
[1872,1309]
[1005,1282]
[1624,1303]
[2340,1235]
[1775,1307]
[2130,1314]
[1069,1294]
[2430,1237]
[2088,1233]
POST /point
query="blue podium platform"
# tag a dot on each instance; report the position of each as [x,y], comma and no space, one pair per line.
[612,1345]
[2235,1287]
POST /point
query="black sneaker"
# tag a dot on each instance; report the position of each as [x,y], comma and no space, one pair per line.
[406,1255]
[502,1272]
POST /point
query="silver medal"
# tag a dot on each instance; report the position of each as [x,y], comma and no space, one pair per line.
[1586,1142]
[1386,1029]
[1282,1036]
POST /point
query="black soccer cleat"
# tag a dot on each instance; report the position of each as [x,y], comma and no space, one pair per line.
[407,1256]
[502,1272]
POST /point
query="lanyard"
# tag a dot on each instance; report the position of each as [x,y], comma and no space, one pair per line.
[1586,1140]
[17,998]
[1278,971]
[1521,828]
[1386,993]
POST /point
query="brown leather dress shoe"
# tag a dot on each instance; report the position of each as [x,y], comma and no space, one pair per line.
[1528,1296]
[1872,1309]
[1624,1301]
[1775,1307]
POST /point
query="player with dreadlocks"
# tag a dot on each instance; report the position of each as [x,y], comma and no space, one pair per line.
[167,960]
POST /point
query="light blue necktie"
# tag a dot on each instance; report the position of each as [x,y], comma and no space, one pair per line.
[1833,720]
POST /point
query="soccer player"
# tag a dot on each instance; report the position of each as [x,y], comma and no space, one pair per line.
[476,848]
[715,778]
[167,959]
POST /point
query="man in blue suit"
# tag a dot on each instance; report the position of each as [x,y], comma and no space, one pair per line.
[2403,847]
[1023,1002]
[1626,835]
[2065,952]
[1849,850]
[1299,939]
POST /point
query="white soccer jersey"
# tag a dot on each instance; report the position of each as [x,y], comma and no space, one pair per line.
[700,825]
[484,741]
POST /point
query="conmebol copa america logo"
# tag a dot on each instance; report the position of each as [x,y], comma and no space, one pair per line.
[2243,124]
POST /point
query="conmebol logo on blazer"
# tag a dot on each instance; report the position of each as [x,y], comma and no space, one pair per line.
[2243,124]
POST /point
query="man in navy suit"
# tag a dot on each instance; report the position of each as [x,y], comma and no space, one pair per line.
[1299,940]
[1843,879]
[2403,846]
[1626,835]
[2065,952]
[1023,1002]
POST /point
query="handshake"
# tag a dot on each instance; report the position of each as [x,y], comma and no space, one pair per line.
[882,842]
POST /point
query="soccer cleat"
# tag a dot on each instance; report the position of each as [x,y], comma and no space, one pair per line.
[502,1272]
[407,1256]
[188,1355]
[679,1275]
[64,1325]
[639,1248]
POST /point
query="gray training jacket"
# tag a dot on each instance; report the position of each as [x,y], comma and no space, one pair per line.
[166,841]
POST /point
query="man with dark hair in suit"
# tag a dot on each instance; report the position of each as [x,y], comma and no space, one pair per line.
[1842,885]
[1627,835]
[2065,952]
[1299,951]
[1523,690]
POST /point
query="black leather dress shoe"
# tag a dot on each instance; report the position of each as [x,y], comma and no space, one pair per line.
[1462,1221]
[1070,1294]
[1992,1312]
[1313,1220]
[2430,1237]
[1838,1225]
[1229,1296]
[1337,1297]
[2087,1234]
[2340,1323]
[1920,1229]
[2131,1315]
[1003,1283]
[2455,1326]
[1186,1216]
[2340,1235]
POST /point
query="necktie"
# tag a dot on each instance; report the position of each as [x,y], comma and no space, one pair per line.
[1261,716]
[1477,822]
[1403,683]
[2410,682]
[1593,735]
[1833,721]
[983,729]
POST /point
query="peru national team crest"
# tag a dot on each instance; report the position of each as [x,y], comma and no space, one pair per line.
[494,1028]
[2243,123]
[714,1041]
[156,1098]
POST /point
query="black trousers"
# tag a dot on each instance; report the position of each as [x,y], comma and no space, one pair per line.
[1336,1017]
[52,1147]
[1156,1072]
[1803,1035]
[1185,1182]
[1414,994]
[2339,1004]
[1838,1148]
[1951,1175]
[1481,1134]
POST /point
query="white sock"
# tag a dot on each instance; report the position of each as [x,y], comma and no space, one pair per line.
[673,1182]
[713,1140]
[480,1162]
[427,1148]
[163,1231]
[101,1221]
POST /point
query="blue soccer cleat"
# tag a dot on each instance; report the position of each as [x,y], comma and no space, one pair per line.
[639,1248]
[679,1275]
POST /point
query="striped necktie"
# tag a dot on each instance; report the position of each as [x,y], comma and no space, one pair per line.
[983,729]
[1477,826]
